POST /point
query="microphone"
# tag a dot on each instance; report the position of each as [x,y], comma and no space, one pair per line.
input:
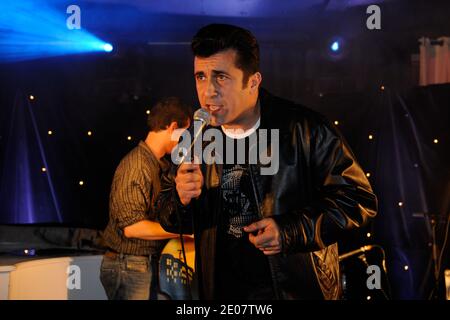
[352,253]
[201,119]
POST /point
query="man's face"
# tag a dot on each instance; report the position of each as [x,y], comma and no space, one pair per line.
[220,88]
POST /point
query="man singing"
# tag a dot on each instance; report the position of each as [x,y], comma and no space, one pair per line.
[264,236]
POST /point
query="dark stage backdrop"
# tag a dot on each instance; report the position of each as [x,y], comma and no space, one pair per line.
[408,161]
[110,96]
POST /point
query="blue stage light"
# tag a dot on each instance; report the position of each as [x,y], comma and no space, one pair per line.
[335,46]
[35,29]
[107,47]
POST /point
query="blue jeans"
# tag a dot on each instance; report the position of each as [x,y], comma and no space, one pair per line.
[127,277]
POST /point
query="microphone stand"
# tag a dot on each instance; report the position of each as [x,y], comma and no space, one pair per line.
[431,224]
[362,256]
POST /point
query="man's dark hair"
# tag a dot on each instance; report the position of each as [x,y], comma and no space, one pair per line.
[167,111]
[214,38]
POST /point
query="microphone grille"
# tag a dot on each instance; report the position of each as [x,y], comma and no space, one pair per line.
[202,115]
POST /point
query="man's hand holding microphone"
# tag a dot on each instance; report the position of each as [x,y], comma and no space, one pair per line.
[189,182]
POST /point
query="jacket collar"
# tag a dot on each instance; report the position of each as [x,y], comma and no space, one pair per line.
[270,118]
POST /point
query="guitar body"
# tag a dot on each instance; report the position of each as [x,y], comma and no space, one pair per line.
[175,275]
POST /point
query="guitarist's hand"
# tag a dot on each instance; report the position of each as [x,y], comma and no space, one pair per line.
[265,235]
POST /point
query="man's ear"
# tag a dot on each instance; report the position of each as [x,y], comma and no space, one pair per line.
[255,81]
[173,126]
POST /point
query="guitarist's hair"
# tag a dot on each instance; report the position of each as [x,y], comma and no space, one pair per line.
[169,110]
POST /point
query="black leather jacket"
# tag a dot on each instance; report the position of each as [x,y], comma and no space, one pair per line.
[318,193]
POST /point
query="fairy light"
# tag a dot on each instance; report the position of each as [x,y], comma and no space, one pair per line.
[50,132]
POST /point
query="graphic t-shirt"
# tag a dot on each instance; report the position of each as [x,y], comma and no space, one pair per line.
[242,270]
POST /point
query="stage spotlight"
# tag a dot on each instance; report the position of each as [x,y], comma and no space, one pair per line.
[36,29]
[335,46]
[108,47]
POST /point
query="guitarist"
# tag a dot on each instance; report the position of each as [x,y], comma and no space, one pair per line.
[133,236]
